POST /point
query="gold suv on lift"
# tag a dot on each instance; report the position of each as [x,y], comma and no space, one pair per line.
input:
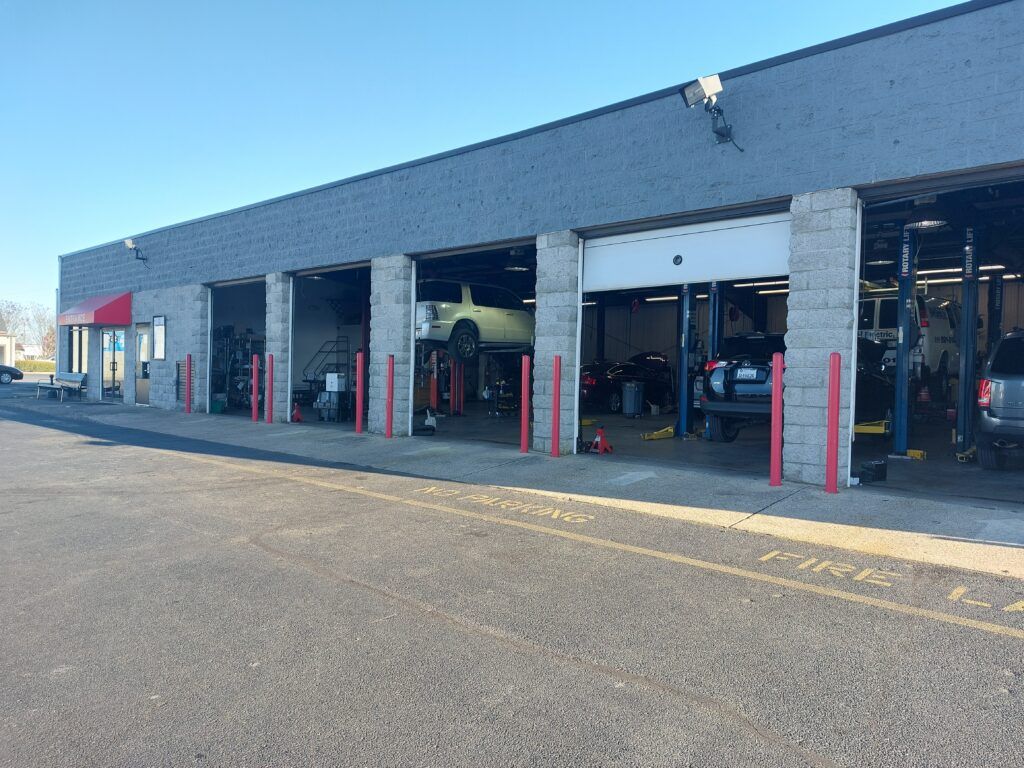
[468,318]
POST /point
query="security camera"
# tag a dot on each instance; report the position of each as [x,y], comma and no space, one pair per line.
[703,90]
[129,244]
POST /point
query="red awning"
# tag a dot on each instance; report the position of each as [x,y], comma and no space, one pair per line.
[115,309]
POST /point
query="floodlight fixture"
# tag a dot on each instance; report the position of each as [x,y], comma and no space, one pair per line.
[703,90]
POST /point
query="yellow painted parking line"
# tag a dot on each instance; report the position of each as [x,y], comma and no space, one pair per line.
[705,565]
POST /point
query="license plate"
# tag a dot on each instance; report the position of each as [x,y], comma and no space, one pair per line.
[746,374]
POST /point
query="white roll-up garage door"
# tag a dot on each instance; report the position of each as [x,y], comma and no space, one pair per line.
[756,246]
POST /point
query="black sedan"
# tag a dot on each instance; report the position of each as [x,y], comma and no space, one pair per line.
[9,373]
[738,383]
[601,384]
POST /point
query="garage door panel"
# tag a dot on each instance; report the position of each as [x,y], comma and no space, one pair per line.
[745,248]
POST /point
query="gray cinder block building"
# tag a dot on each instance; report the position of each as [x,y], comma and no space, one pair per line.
[600,202]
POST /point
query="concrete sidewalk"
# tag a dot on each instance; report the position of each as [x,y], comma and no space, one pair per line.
[987,538]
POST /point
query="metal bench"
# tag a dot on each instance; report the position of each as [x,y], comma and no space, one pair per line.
[73,383]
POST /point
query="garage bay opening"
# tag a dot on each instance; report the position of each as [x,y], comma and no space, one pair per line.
[473,322]
[330,326]
[939,343]
[237,333]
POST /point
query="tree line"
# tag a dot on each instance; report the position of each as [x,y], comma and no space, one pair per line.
[31,323]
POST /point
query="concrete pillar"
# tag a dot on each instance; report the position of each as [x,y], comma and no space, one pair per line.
[390,330]
[557,315]
[94,377]
[279,330]
[823,289]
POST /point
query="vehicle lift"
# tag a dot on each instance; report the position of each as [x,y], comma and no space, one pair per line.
[687,328]
[965,448]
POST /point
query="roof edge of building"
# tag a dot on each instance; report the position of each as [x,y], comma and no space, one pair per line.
[885,30]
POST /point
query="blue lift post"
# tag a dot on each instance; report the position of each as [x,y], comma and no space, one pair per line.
[995,310]
[687,344]
[716,320]
[968,342]
[906,280]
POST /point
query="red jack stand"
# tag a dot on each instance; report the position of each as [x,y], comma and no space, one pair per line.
[601,442]
[296,414]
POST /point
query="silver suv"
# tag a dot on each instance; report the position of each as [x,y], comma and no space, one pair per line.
[468,317]
[1001,402]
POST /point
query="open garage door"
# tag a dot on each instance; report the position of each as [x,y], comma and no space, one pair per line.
[473,322]
[941,295]
[676,321]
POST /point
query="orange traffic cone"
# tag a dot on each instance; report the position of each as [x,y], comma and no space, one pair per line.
[296,413]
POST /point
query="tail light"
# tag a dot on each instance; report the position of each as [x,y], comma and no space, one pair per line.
[985,393]
[710,365]
[923,313]
[588,381]
[431,311]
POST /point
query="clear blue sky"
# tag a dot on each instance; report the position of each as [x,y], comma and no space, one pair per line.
[119,117]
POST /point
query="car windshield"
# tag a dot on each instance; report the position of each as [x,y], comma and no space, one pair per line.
[1009,358]
[754,346]
[438,290]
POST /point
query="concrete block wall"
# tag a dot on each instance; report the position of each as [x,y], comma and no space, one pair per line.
[185,311]
[646,158]
[279,325]
[94,379]
[557,316]
[822,294]
[391,280]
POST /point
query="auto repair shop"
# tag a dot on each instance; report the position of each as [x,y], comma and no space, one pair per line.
[782,204]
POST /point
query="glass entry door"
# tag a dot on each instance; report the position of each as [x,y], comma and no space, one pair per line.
[143,353]
[113,363]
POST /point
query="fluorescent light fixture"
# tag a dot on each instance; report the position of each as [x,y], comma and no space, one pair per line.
[701,296]
[881,263]
[529,301]
[588,303]
[517,269]
[761,284]
[661,298]
[958,270]
[773,291]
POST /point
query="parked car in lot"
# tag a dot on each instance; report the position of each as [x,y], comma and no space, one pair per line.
[1001,402]
[737,387]
[934,332]
[9,373]
[467,317]
[601,384]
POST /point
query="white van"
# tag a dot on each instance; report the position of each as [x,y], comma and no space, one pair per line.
[934,334]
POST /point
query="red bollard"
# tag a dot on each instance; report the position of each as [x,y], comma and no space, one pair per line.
[255,387]
[389,403]
[524,413]
[188,383]
[556,403]
[360,383]
[433,381]
[462,388]
[775,465]
[268,394]
[832,428]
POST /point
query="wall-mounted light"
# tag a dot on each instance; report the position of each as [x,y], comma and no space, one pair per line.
[705,90]
[131,246]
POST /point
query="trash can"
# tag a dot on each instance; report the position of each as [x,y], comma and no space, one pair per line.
[633,399]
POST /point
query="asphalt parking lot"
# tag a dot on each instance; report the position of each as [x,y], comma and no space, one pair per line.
[170,601]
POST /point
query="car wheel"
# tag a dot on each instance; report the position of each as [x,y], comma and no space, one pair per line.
[463,344]
[615,402]
[990,457]
[722,430]
[6,378]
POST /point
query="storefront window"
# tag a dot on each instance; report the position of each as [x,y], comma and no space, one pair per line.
[159,338]
[78,347]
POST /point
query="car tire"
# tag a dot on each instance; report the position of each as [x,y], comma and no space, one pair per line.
[615,402]
[990,457]
[6,378]
[722,430]
[464,343]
